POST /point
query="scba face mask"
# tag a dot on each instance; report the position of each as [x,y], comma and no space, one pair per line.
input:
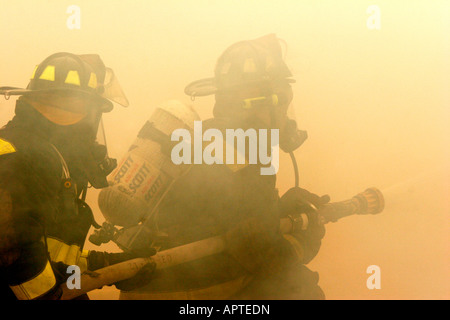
[84,148]
[284,118]
[95,161]
[102,164]
[291,138]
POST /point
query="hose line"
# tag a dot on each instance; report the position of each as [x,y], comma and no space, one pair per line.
[294,164]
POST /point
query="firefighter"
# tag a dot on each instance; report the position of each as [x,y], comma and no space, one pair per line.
[252,87]
[49,153]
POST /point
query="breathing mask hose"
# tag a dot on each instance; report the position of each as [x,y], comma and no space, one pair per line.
[294,164]
[291,152]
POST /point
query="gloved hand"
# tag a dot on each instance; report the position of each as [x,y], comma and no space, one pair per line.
[298,200]
[98,260]
[142,278]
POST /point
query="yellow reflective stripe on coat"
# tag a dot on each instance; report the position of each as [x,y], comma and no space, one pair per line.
[83,262]
[67,254]
[37,286]
[6,147]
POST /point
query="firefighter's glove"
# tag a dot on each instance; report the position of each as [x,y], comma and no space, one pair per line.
[142,278]
[300,201]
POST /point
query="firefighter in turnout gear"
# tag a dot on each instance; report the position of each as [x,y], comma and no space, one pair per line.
[252,90]
[49,153]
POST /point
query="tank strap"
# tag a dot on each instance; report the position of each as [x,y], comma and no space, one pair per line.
[150,132]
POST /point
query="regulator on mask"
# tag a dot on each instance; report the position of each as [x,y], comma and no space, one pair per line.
[99,165]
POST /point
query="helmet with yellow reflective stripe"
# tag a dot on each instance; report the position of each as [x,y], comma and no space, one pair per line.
[84,76]
[252,61]
[245,63]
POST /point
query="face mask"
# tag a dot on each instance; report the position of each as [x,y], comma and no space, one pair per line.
[97,165]
[290,137]
[83,146]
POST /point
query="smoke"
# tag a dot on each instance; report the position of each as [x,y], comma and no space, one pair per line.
[374,103]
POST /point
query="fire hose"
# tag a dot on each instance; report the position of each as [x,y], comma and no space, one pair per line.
[370,201]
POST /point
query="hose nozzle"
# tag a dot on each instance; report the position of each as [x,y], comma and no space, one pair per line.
[370,201]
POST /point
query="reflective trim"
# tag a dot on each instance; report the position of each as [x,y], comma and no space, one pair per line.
[6,147]
[48,73]
[37,286]
[296,245]
[73,78]
[34,72]
[92,81]
[62,252]
[83,262]
[251,102]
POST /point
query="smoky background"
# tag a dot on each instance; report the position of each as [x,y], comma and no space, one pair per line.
[375,104]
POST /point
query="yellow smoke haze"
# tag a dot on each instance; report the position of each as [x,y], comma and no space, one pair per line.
[375,103]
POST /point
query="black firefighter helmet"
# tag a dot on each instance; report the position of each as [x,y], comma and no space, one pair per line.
[244,63]
[68,74]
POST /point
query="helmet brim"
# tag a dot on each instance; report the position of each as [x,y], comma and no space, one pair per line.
[207,86]
[201,88]
[105,104]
